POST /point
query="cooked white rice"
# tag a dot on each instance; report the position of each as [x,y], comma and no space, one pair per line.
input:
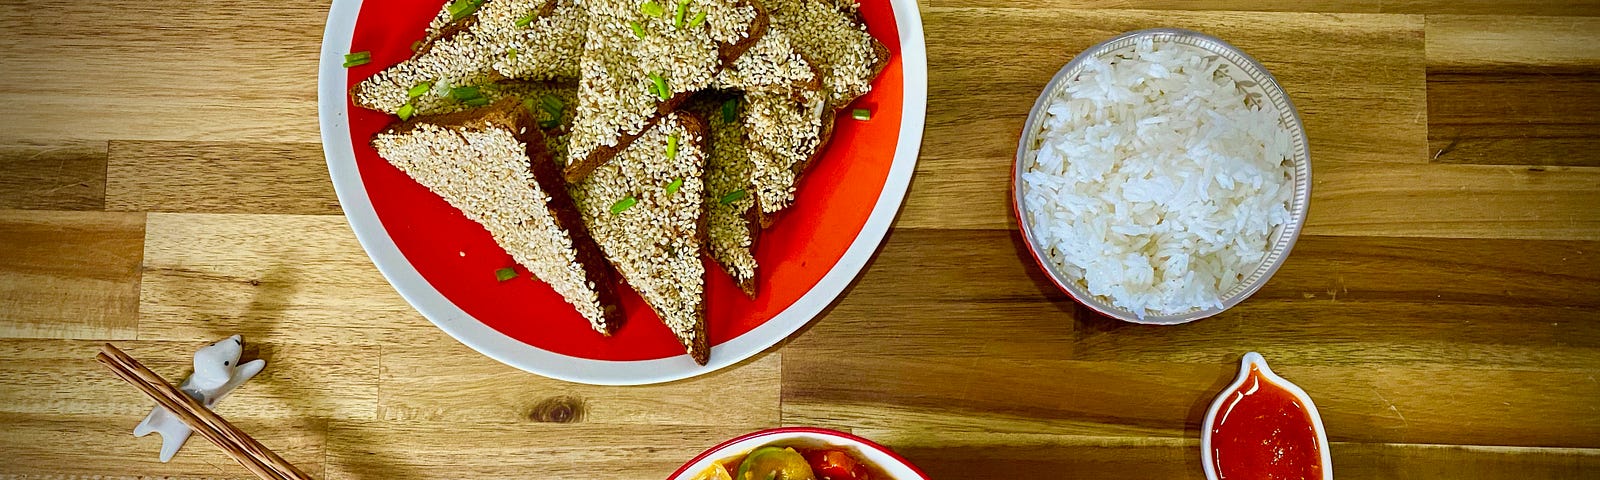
[1155,183]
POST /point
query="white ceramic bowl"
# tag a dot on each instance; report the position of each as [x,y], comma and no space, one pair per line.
[1258,83]
[878,455]
[1255,359]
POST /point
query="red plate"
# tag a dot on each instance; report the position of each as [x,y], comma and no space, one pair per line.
[860,180]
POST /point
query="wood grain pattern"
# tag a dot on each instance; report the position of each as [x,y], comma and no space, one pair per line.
[300,381]
[53,177]
[1366,403]
[218,177]
[272,278]
[448,450]
[1358,81]
[1475,201]
[1442,307]
[1431,301]
[1514,91]
[974,456]
[1378,326]
[92,446]
[69,274]
[236,70]
[476,389]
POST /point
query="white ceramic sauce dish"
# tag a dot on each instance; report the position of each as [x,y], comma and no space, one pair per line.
[1249,367]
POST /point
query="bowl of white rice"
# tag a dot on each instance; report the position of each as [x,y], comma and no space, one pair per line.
[1162,177]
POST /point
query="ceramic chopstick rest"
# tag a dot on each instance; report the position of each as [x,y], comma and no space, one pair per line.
[217,372]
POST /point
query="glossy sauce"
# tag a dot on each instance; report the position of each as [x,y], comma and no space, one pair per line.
[873,472]
[1263,432]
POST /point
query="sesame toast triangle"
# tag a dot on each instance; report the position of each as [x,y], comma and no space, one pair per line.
[730,198]
[832,35]
[476,43]
[645,209]
[786,131]
[773,64]
[492,165]
[642,59]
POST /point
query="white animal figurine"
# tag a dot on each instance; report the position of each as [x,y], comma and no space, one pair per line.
[216,373]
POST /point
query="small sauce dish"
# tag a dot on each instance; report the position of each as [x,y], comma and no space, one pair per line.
[1263,427]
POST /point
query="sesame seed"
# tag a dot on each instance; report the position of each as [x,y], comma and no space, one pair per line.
[654,243]
[728,169]
[615,97]
[482,170]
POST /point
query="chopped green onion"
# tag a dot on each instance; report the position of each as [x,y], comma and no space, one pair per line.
[552,107]
[419,90]
[622,205]
[661,86]
[861,114]
[504,274]
[672,146]
[551,103]
[673,187]
[683,7]
[525,21]
[511,55]
[698,19]
[730,110]
[733,196]
[406,111]
[358,58]
[638,30]
[465,93]
[461,8]
[651,8]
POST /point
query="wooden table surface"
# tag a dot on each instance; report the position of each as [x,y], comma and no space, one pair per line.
[162,186]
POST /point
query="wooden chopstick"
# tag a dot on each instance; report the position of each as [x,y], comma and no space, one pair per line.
[247,451]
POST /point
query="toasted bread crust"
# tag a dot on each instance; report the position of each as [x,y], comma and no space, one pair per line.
[599,272]
[698,345]
[752,220]
[729,52]
[450,30]
[580,169]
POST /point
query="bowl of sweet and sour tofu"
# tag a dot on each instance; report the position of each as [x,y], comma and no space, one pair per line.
[798,453]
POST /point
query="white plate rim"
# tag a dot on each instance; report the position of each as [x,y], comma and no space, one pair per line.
[333,117]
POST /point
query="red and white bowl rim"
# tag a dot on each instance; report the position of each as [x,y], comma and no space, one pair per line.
[882,456]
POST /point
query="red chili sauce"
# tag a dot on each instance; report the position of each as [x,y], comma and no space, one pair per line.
[1263,432]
